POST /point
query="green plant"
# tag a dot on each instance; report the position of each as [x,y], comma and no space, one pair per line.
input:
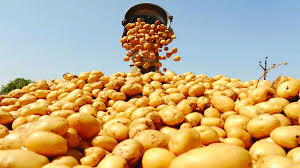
[17,83]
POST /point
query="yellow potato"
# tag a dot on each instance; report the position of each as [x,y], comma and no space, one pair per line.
[292,111]
[274,161]
[47,143]
[85,124]
[65,160]
[294,154]
[238,121]
[250,111]
[197,90]
[92,156]
[261,94]
[169,131]
[56,125]
[193,118]
[288,89]
[284,121]
[225,115]
[262,148]
[222,103]
[6,118]
[234,141]
[262,126]
[72,138]
[286,136]
[270,108]
[18,158]
[212,121]
[62,113]
[212,112]
[171,116]
[240,134]
[106,142]
[222,133]
[152,139]
[207,134]
[130,149]
[157,158]
[118,131]
[227,156]
[185,140]
[113,161]
[3,131]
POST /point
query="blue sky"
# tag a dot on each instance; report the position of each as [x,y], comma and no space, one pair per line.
[46,38]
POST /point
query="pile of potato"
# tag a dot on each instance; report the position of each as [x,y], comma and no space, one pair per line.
[148,40]
[151,120]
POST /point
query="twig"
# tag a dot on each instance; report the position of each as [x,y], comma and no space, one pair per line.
[274,66]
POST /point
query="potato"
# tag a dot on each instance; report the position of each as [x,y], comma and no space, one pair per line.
[250,111]
[152,139]
[88,108]
[34,108]
[171,116]
[262,126]
[8,101]
[203,103]
[106,142]
[92,156]
[18,158]
[118,131]
[274,161]
[222,103]
[186,106]
[62,113]
[270,108]
[292,111]
[46,143]
[220,131]
[286,136]
[65,160]
[185,140]
[212,121]
[132,89]
[112,161]
[212,112]
[41,94]
[225,115]
[261,149]
[294,154]
[3,131]
[197,90]
[261,94]
[27,99]
[6,118]
[240,134]
[207,135]
[52,165]
[234,141]
[193,118]
[157,158]
[85,124]
[56,125]
[288,89]
[284,121]
[141,112]
[72,138]
[169,131]
[279,101]
[238,121]
[130,149]
[206,157]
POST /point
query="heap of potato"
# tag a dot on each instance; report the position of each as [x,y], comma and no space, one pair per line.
[148,40]
[151,120]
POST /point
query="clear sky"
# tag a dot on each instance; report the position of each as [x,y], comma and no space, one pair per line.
[46,38]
